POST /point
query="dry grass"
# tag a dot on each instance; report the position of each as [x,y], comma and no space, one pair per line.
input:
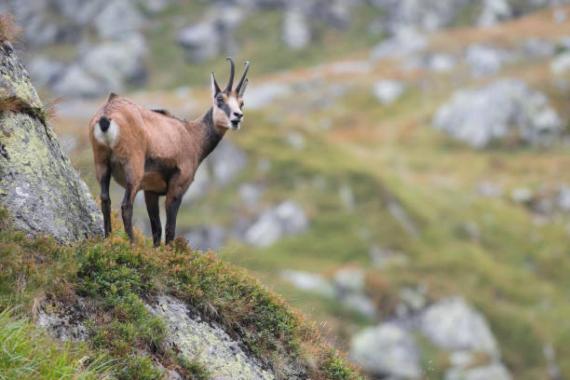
[9,31]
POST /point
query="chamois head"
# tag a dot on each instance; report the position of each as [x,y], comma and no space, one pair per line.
[228,103]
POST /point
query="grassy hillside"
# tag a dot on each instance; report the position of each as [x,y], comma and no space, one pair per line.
[511,263]
[124,340]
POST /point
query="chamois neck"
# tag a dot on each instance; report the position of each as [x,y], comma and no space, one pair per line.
[211,134]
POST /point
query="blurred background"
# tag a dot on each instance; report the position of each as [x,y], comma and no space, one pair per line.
[402,176]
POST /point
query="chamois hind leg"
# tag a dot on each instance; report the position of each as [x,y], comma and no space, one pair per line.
[177,186]
[133,176]
[103,172]
[127,209]
[152,207]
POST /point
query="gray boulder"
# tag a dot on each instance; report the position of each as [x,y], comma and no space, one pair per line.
[387,351]
[453,325]
[205,238]
[494,11]
[494,371]
[213,36]
[403,44]
[117,18]
[388,91]
[76,81]
[286,219]
[309,282]
[45,71]
[39,188]
[426,15]
[560,65]
[226,162]
[296,30]
[257,97]
[106,67]
[486,60]
[506,109]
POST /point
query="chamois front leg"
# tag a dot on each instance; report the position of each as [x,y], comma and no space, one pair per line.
[152,207]
[176,189]
[104,179]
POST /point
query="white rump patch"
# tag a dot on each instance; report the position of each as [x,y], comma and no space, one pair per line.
[109,138]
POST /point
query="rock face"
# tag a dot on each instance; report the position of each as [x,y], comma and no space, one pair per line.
[38,186]
[504,110]
[195,338]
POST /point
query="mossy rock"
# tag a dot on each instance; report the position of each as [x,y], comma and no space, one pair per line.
[39,188]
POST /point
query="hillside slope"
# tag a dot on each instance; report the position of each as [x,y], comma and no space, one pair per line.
[134,312]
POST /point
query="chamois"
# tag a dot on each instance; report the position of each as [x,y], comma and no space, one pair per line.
[153,151]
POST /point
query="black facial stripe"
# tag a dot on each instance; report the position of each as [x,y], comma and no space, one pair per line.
[226,108]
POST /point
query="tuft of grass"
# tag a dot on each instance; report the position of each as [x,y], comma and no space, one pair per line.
[9,32]
[28,353]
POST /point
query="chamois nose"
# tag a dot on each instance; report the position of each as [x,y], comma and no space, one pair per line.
[238,115]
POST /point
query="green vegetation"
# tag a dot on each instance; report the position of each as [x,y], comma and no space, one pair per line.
[27,353]
[117,279]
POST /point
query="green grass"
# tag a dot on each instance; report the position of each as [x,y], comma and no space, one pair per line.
[29,353]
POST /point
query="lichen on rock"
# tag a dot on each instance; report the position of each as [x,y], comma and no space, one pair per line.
[39,188]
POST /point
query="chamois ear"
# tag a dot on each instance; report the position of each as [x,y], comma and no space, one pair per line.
[215,87]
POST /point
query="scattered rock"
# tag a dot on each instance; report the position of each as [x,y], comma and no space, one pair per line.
[360,304]
[77,82]
[383,258]
[388,91]
[213,36]
[453,325]
[296,30]
[405,43]
[261,96]
[486,60]
[489,189]
[387,351]
[522,195]
[226,162]
[535,48]
[287,219]
[309,282]
[296,140]
[45,71]
[349,280]
[205,238]
[504,110]
[561,64]
[117,18]
[494,11]
[104,68]
[495,371]
[250,194]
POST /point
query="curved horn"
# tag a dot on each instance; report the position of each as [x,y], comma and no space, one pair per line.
[215,85]
[232,74]
[241,81]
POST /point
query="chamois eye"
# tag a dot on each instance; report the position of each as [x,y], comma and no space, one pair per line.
[220,100]
[241,104]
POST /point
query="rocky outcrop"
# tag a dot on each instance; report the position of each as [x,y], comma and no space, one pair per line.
[38,186]
[205,342]
[506,111]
